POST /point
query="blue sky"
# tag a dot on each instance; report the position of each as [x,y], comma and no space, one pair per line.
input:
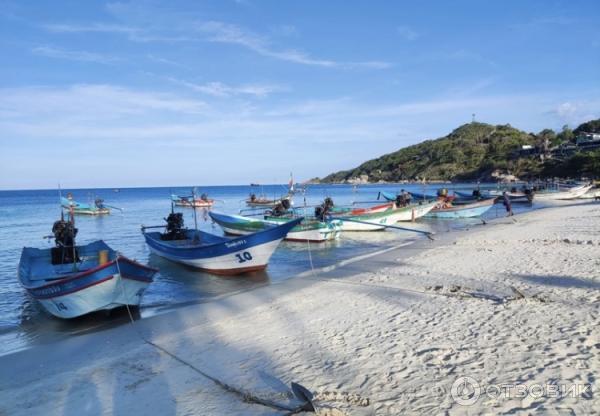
[151,93]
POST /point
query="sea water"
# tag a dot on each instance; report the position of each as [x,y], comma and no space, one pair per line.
[26,217]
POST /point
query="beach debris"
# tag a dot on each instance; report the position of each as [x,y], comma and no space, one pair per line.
[518,294]
[304,395]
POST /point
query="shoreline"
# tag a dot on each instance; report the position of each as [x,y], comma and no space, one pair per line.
[357,334]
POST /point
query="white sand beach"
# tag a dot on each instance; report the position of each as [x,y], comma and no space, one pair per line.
[513,305]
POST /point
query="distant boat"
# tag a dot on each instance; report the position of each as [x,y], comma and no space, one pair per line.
[98,208]
[309,230]
[474,209]
[216,254]
[262,202]
[190,201]
[70,280]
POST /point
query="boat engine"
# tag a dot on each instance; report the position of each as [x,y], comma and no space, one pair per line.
[65,251]
[323,210]
[99,202]
[281,208]
[175,230]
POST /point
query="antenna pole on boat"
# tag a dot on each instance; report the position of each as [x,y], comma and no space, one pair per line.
[72,220]
[62,213]
[195,215]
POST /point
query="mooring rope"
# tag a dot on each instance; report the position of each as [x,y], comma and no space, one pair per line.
[246,396]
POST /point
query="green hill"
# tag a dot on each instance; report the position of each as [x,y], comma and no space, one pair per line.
[473,152]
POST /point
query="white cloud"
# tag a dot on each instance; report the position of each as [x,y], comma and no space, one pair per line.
[577,112]
[93,28]
[219,89]
[91,102]
[407,33]
[82,56]
[232,34]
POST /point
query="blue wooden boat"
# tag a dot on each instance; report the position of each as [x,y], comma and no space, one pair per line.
[213,253]
[85,209]
[475,209]
[88,278]
[416,196]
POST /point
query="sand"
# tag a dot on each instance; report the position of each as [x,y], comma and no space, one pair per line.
[514,305]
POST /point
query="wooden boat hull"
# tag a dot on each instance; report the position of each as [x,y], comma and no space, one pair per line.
[187,202]
[378,221]
[563,195]
[265,203]
[362,211]
[83,209]
[475,209]
[414,212]
[196,204]
[311,231]
[591,194]
[92,212]
[220,255]
[116,283]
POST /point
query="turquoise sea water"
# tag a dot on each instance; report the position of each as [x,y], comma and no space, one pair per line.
[27,216]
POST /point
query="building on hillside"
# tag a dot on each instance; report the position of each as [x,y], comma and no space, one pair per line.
[588,141]
[362,179]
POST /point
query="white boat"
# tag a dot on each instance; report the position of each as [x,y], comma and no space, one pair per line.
[593,193]
[573,193]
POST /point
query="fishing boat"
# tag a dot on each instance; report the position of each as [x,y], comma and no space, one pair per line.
[513,195]
[203,201]
[416,196]
[379,220]
[573,193]
[447,210]
[98,208]
[308,230]
[593,193]
[71,280]
[362,211]
[262,202]
[212,253]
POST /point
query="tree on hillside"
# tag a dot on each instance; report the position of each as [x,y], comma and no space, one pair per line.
[566,134]
[592,126]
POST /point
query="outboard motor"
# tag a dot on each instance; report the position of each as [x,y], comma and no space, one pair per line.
[476,193]
[175,230]
[323,210]
[400,200]
[99,202]
[252,197]
[204,197]
[443,192]
[65,251]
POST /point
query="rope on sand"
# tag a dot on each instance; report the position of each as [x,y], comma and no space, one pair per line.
[246,396]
